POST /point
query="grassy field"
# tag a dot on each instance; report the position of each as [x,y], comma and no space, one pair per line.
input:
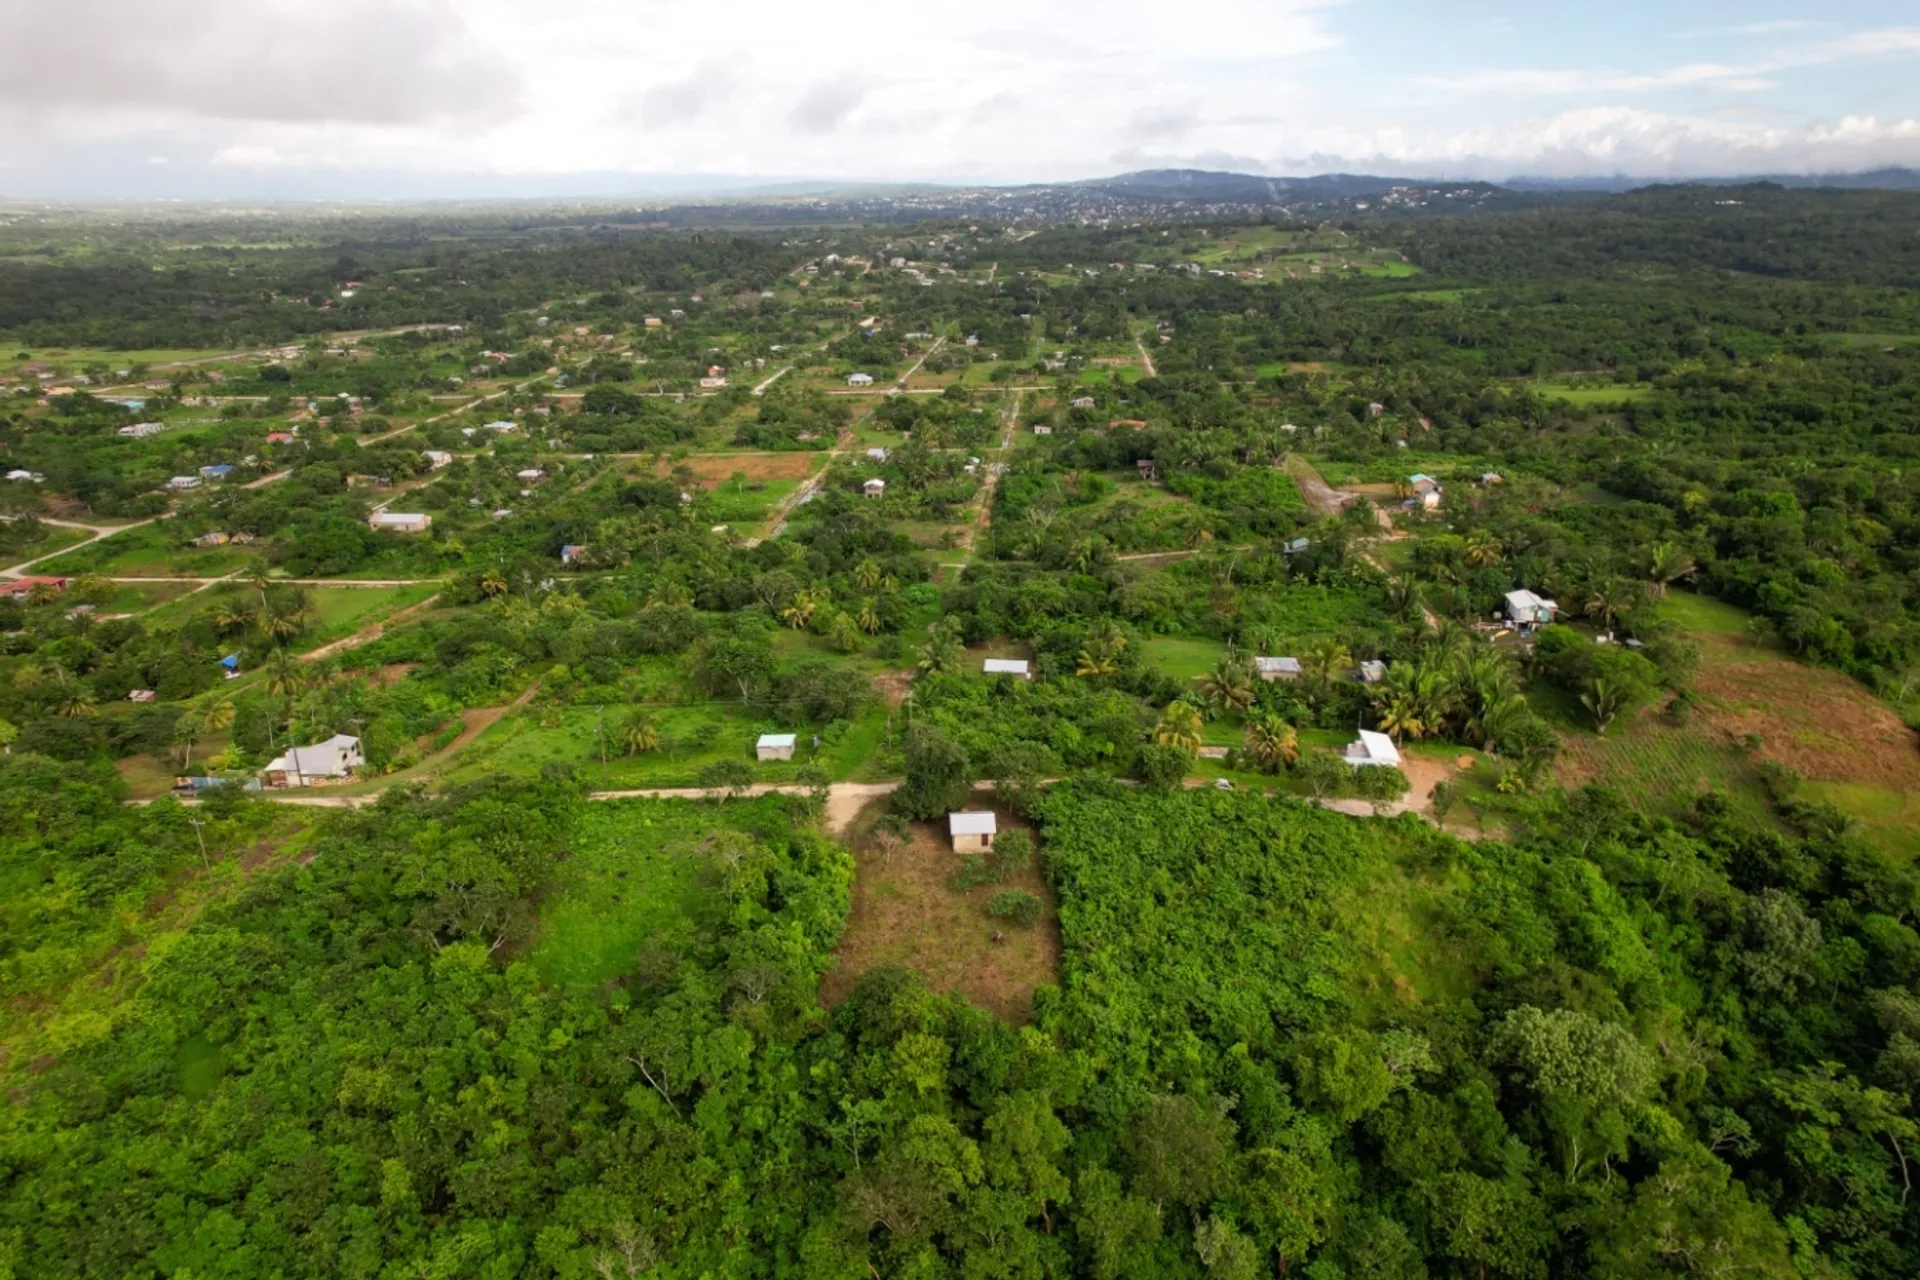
[1590,395]
[634,872]
[147,552]
[1183,657]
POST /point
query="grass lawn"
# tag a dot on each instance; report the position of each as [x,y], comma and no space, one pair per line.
[1886,817]
[1183,657]
[1704,614]
[343,610]
[1391,269]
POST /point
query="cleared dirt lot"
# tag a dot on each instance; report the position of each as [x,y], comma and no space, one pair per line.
[906,912]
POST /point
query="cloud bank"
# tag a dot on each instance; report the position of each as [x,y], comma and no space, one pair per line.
[223,91]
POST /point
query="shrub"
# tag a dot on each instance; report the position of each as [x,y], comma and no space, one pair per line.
[1012,853]
[1016,905]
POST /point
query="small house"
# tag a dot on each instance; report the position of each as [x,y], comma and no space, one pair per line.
[1083,402]
[1529,610]
[875,488]
[1149,469]
[1372,671]
[337,757]
[1375,409]
[1042,429]
[140,695]
[877,454]
[215,539]
[1017,667]
[530,475]
[501,426]
[1296,546]
[399,522]
[1372,748]
[775,746]
[652,322]
[1277,668]
[18,476]
[712,382]
[21,588]
[437,458]
[219,471]
[571,554]
[141,430]
[1490,478]
[280,437]
[230,667]
[972,832]
[859,379]
[183,483]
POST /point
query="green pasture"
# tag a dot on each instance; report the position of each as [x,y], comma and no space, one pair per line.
[148,552]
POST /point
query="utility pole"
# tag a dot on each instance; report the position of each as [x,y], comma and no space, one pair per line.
[197,824]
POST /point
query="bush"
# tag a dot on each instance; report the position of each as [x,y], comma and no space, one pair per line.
[974,870]
[1012,853]
[1162,767]
[1016,905]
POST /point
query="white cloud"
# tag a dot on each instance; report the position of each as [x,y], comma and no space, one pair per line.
[993,90]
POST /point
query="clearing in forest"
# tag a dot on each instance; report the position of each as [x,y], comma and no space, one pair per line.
[907,913]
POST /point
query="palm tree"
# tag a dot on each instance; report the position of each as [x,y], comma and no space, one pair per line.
[1603,700]
[1271,741]
[1666,564]
[259,581]
[233,617]
[1497,722]
[638,736]
[1326,659]
[72,699]
[799,612]
[868,618]
[867,574]
[1100,656]
[1180,726]
[8,732]
[940,654]
[216,715]
[1229,686]
[1401,718]
[1608,598]
[493,582]
[284,679]
[1483,548]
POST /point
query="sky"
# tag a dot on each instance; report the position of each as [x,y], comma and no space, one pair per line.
[382,99]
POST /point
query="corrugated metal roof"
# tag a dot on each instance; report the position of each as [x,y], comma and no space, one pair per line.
[971,824]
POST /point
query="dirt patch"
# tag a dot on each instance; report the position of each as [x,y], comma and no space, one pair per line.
[711,469]
[894,686]
[1423,772]
[1818,722]
[393,672]
[906,912]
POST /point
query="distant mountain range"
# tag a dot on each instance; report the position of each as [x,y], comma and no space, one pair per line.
[1203,185]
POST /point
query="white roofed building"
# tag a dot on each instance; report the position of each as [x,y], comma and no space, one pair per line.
[775,746]
[972,832]
[1008,667]
[1372,748]
[1277,668]
[337,757]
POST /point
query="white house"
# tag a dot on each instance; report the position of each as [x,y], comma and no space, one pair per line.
[141,430]
[337,757]
[859,379]
[1083,402]
[1277,668]
[530,475]
[1372,749]
[875,488]
[184,482]
[399,522]
[877,454]
[972,832]
[775,746]
[712,382]
[1042,429]
[1426,490]
[1008,667]
[1373,671]
[18,476]
[437,458]
[1529,610]
[502,426]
